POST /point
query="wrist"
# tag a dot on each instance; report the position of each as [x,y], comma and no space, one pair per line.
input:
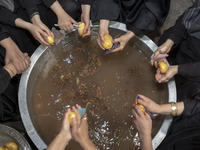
[84,142]
[35,19]
[130,34]
[170,43]
[65,136]
[11,70]
[175,69]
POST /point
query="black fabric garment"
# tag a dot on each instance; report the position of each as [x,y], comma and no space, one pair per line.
[4,79]
[3,33]
[72,7]
[140,16]
[187,56]
[191,20]
[184,132]
[87,2]
[7,16]
[8,92]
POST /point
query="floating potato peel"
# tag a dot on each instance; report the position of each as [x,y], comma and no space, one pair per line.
[113,47]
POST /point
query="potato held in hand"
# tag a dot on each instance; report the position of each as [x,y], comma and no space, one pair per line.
[11,146]
[81,27]
[71,115]
[108,42]
[50,39]
[141,107]
[163,67]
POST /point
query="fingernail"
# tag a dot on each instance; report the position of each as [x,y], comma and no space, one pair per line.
[138,97]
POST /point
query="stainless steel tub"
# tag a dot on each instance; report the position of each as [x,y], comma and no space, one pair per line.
[28,78]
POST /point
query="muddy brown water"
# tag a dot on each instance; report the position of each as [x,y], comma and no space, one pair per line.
[79,73]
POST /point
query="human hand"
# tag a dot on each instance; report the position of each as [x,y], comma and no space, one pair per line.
[79,127]
[123,40]
[103,29]
[38,34]
[161,78]
[160,53]
[85,17]
[142,122]
[37,21]
[149,104]
[65,22]
[65,129]
[19,60]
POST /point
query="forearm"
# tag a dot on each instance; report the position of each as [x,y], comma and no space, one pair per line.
[86,9]
[23,24]
[60,142]
[87,145]
[146,142]
[57,9]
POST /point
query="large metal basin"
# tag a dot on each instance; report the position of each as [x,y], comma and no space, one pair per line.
[43,55]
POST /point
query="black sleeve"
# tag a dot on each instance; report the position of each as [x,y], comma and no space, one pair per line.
[147,15]
[4,80]
[176,33]
[3,33]
[191,107]
[48,3]
[7,16]
[30,6]
[190,71]
[88,2]
[105,9]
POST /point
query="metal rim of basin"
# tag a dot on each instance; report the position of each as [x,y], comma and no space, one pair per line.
[23,95]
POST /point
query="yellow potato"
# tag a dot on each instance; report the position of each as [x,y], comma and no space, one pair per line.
[108,42]
[163,67]
[50,39]
[141,107]
[81,27]
[71,115]
[11,146]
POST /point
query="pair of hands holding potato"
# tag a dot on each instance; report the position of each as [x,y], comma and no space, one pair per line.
[78,131]
[103,30]
[160,56]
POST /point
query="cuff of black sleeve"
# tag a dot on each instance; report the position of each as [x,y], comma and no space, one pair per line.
[48,3]
[31,11]
[86,2]
[3,36]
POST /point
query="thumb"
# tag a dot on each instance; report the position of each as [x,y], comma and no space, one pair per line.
[116,40]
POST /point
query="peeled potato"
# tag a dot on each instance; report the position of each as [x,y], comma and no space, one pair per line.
[71,115]
[81,27]
[108,42]
[11,146]
[141,107]
[50,39]
[163,67]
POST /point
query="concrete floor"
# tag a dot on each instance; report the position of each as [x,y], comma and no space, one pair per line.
[177,8]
